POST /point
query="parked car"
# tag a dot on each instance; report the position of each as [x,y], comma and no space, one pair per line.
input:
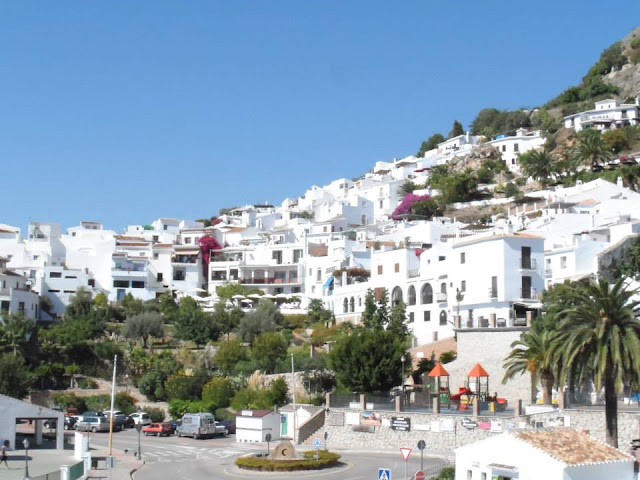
[175,424]
[221,429]
[69,423]
[119,419]
[197,425]
[129,422]
[142,418]
[93,424]
[158,429]
[230,425]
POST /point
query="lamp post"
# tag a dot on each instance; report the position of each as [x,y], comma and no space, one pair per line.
[403,395]
[25,442]
[139,429]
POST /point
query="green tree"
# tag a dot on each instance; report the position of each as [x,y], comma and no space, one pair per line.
[186,387]
[191,323]
[407,187]
[427,208]
[168,307]
[630,263]
[381,317]
[132,306]
[268,349]
[251,399]
[397,320]
[538,164]
[143,326]
[591,149]
[265,318]
[15,377]
[14,332]
[430,144]
[318,313]
[152,385]
[368,360]
[278,392]
[228,355]
[599,336]
[456,129]
[370,309]
[531,353]
[616,140]
[218,391]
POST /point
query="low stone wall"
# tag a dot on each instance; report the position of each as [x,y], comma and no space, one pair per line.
[310,426]
[447,432]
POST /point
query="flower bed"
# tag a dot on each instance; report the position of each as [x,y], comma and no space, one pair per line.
[308,462]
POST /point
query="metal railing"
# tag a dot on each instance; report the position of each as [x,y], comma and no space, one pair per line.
[527,263]
[493,292]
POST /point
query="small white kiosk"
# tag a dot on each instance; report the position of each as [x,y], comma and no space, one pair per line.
[253,425]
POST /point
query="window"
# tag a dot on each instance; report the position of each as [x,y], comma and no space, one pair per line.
[504,148]
[483,476]
[427,316]
[525,258]
[55,274]
[493,293]
[411,317]
[91,282]
[469,475]
[35,257]
[276,255]
[462,257]
[159,277]
[155,239]
[381,204]
[411,295]
[396,296]
[426,294]
[563,262]
[359,301]
[187,240]
[379,269]
[345,305]
[21,307]
[443,288]
[164,227]
[155,255]
[311,272]
[516,148]
[443,317]
[441,258]
[121,283]
[319,275]
[463,286]
[526,287]
[137,284]
[297,255]
[352,305]
[179,275]
[396,268]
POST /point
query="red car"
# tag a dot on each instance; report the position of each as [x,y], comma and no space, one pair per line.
[158,429]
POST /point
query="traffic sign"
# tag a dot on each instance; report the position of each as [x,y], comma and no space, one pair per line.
[317,443]
[267,437]
[420,475]
[384,474]
[405,453]
[421,445]
[326,435]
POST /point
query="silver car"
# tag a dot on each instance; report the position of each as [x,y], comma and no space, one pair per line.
[93,424]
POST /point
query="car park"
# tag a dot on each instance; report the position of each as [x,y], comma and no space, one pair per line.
[93,424]
[158,429]
[142,418]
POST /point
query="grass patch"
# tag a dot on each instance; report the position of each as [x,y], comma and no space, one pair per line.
[308,462]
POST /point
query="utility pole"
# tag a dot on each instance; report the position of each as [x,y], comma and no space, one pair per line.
[293,382]
[113,395]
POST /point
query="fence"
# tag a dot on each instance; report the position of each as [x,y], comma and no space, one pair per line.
[434,471]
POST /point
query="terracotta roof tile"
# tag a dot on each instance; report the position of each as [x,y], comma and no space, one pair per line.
[572,447]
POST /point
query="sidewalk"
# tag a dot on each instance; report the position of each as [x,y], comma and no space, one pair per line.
[46,461]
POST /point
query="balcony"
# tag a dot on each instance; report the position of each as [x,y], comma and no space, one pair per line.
[441,297]
[528,294]
[493,292]
[527,263]
[193,259]
[548,272]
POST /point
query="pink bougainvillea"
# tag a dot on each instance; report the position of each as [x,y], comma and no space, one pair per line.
[208,243]
[406,204]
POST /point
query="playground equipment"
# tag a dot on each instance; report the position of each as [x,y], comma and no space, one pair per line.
[439,384]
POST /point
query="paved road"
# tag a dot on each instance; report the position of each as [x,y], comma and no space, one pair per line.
[188,459]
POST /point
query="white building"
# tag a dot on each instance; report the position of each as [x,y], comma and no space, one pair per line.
[16,297]
[512,146]
[552,454]
[254,425]
[605,115]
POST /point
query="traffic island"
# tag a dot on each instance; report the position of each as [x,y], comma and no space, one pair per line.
[309,460]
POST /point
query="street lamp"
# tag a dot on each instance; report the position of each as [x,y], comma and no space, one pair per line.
[402,360]
[139,429]
[25,442]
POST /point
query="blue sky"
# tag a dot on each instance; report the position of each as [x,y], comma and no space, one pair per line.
[123,111]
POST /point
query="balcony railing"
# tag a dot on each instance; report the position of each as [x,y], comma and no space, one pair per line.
[527,263]
[493,292]
[548,272]
[528,294]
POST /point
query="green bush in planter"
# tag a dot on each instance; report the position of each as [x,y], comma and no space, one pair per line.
[308,462]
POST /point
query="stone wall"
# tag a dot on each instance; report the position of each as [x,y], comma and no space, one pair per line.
[454,434]
[489,347]
[609,259]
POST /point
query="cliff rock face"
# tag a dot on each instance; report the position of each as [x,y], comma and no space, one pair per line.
[627,79]
[474,159]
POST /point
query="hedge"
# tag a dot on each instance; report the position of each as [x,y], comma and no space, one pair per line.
[308,462]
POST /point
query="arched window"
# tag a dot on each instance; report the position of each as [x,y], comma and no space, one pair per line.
[352,305]
[443,287]
[345,305]
[443,317]
[396,296]
[411,295]
[359,301]
[427,293]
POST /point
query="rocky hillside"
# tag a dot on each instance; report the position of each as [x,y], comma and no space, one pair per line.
[627,78]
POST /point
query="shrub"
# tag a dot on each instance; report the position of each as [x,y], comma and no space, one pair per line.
[156,414]
[224,414]
[186,387]
[122,401]
[177,407]
[251,399]
[151,384]
[278,391]
[64,400]
[447,473]
[510,190]
[87,383]
[308,462]
[218,391]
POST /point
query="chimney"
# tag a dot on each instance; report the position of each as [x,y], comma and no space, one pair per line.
[467,136]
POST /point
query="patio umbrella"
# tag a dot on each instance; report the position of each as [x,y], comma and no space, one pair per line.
[254,295]
[282,295]
[268,295]
[238,297]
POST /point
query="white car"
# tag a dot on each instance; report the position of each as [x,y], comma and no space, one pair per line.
[141,418]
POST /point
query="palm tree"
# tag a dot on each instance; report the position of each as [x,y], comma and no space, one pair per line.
[531,354]
[591,149]
[407,187]
[599,337]
[538,164]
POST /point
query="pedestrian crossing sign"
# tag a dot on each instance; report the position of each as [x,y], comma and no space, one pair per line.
[384,474]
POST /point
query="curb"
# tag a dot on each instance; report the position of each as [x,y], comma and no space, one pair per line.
[134,470]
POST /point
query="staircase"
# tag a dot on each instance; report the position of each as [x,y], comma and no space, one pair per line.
[307,431]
